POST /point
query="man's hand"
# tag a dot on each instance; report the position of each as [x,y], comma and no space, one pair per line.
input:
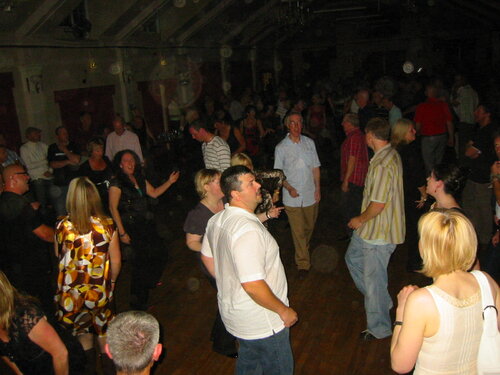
[317,195]
[47,174]
[345,186]
[289,317]
[355,223]
[293,192]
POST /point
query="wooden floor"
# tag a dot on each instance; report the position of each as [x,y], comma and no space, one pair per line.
[330,309]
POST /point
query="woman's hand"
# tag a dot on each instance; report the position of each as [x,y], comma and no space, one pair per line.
[274,212]
[174,176]
[125,238]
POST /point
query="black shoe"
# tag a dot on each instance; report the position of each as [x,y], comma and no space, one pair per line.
[366,336]
[232,355]
[303,274]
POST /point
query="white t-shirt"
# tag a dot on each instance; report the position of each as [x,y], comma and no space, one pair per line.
[244,251]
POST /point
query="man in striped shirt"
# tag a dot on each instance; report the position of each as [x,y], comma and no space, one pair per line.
[378,229]
[216,154]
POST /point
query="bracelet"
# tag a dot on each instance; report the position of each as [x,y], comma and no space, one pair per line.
[398,323]
[123,235]
[267,215]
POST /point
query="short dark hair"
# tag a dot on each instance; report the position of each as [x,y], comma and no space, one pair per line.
[380,128]
[230,179]
[59,128]
[199,124]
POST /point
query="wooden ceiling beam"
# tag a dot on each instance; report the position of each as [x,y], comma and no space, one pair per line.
[261,12]
[40,16]
[203,21]
[136,22]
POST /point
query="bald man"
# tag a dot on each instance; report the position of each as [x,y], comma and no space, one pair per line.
[25,254]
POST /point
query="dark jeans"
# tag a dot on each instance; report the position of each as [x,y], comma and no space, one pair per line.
[41,189]
[414,261]
[268,356]
[350,204]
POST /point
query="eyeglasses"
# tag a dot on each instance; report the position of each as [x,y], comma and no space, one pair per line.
[24,173]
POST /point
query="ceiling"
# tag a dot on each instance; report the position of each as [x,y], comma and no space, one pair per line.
[238,23]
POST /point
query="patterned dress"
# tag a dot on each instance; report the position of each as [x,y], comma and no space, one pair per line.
[83,284]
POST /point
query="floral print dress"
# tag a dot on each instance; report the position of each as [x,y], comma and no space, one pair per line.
[83,283]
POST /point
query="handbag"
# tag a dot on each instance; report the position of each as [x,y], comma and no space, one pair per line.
[488,358]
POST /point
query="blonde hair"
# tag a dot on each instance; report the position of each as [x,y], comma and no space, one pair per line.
[448,242]
[6,301]
[242,159]
[399,131]
[203,177]
[82,202]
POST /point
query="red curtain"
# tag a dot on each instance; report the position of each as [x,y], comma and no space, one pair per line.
[98,101]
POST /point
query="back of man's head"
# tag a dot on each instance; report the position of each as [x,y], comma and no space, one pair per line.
[380,128]
[230,180]
[199,124]
[132,341]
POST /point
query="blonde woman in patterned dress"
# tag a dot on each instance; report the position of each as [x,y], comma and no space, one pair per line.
[89,263]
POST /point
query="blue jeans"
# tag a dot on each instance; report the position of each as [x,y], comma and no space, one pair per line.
[433,148]
[368,267]
[41,189]
[58,197]
[268,356]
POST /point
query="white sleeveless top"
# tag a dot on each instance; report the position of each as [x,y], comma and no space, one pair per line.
[453,349]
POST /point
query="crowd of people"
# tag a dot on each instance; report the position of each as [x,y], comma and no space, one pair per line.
[420,171]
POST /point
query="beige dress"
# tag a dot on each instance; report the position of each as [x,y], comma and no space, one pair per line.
[453,349]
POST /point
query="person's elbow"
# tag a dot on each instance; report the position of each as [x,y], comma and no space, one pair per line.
[401,368]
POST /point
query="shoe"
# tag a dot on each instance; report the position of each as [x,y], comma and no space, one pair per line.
[366,336]
[303,274]
[232,355]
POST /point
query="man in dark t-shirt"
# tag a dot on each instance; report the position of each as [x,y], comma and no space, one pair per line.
[476,198]
[25,257]
[64,159]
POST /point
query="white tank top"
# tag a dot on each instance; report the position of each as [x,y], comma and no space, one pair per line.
[453,349]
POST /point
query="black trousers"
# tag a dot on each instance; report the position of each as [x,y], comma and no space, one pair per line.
[222,341]
[149,258]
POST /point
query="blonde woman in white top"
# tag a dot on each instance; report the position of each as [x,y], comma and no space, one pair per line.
[438,328]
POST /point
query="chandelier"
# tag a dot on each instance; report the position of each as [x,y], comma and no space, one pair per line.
[292,14]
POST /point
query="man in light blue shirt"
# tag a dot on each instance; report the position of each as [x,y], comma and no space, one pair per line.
[394,111]
[296,155]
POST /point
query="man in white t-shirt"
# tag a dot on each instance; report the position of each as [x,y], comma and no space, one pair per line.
[252,288]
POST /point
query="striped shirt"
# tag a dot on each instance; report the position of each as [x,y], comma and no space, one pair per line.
[384,184]
[216,154]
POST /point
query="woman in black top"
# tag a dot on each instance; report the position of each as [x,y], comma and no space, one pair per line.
[98,169]
[207,183]
[28,343]
[229,133]
[129,207]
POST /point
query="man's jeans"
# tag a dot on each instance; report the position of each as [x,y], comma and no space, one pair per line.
[368,267]
[433,149]
[41,189]
[269,356]
[58,197]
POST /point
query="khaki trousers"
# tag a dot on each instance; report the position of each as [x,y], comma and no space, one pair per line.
[302,221]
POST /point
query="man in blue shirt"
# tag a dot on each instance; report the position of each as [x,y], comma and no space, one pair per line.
[296,155]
